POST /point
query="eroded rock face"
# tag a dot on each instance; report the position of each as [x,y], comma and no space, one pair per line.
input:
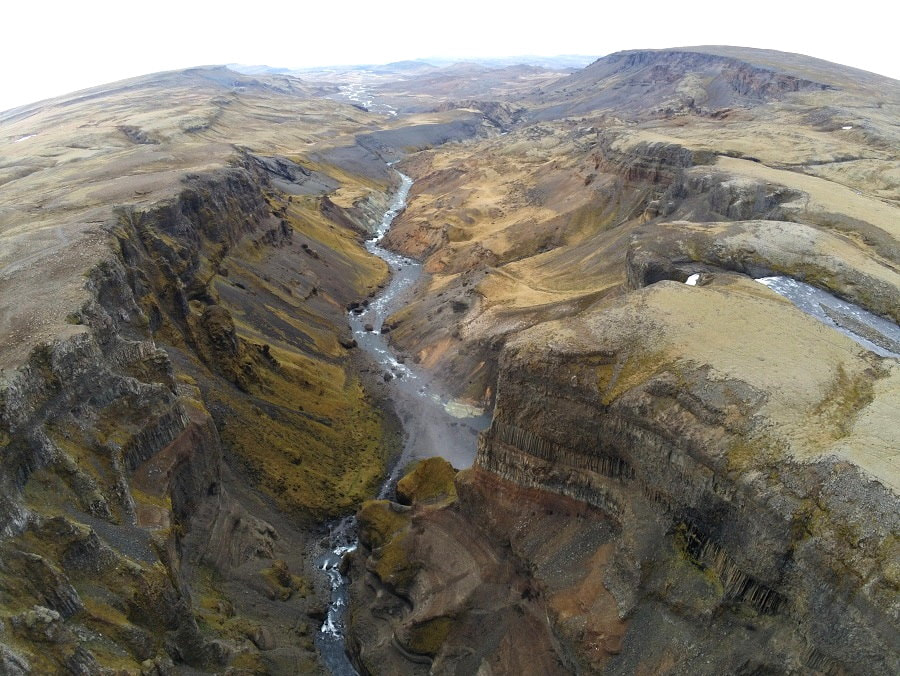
[760,248]
[688,479]
[743,455]
[669,82]
[120,516]
[535,225]
[750,511]
[466,585]
[758,485]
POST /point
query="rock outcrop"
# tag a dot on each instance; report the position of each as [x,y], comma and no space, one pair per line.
[450,585]
[751,463]
[535,225]
[673,82]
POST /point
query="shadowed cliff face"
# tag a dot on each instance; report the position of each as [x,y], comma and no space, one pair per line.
[481,574]
[756,477]
[181,406]
[126,536]
[175,386]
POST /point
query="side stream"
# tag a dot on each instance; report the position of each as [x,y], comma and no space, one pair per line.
[874,333]
[430,421]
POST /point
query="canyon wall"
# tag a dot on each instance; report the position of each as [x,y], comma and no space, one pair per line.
[210,344]
[727,499]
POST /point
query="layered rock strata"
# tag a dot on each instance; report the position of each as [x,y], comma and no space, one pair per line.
[745,480]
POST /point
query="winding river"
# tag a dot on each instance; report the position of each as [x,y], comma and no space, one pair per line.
[432,423]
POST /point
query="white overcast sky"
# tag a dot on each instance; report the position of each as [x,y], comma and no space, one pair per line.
[50,47]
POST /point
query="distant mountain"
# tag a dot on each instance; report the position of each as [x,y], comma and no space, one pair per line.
[562,61]
[415,67]
[695,79]
[256,70]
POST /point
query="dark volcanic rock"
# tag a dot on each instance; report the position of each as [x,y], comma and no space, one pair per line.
[12,664]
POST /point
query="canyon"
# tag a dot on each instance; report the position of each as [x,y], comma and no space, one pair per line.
[209,381]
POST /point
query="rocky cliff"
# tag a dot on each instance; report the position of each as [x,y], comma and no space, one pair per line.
[757,477]
[124,531]
[730,502]
[178,412]
[536,224]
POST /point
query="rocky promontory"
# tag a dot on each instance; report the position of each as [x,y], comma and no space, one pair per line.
[729,495]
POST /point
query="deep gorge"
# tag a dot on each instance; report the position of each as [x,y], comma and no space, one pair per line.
[424,369]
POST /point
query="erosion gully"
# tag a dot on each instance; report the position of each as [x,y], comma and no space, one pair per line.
[874,333]
[432,424]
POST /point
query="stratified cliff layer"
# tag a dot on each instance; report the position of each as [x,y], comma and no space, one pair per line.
[123,539]
[768,458]
[738,491]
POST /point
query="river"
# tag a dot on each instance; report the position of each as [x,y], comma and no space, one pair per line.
[358,94]
[433,424]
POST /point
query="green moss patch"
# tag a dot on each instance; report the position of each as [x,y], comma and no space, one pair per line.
[379,521]
[428,637]
[281,583]
[430,481]
[384,528]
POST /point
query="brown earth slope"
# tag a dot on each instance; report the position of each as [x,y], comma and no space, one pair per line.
[534,224]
